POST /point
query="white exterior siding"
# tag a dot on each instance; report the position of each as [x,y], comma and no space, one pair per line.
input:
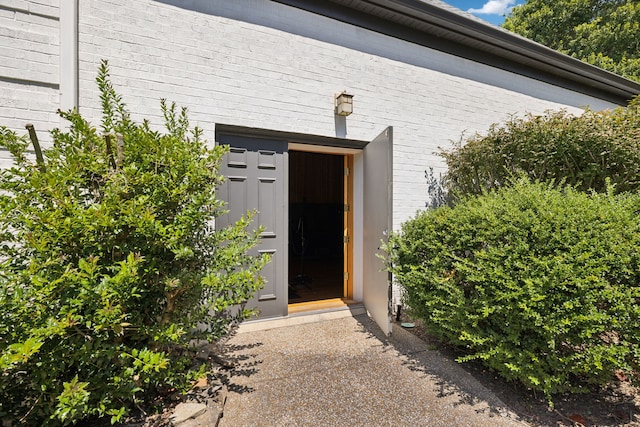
[275,69]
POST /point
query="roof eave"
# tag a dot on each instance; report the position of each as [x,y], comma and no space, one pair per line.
[513,46]
[454,32]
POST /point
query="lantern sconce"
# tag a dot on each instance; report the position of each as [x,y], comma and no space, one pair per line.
[343,104]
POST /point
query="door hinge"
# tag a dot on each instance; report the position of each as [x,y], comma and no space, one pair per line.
[346,171]
[346,275]
[346,239]
[347,207]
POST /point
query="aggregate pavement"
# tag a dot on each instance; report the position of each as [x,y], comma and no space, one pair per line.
[345,372]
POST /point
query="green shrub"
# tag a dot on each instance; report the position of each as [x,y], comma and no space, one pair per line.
[539,283]
[581,151]
[110,267]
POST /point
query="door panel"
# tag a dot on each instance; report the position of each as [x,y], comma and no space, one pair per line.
[267,206]
[377,194]
[257,179]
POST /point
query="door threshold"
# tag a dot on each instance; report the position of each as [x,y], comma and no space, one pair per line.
[324,304]
[307,312]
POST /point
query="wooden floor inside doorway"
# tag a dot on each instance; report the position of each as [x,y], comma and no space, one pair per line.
[315,280]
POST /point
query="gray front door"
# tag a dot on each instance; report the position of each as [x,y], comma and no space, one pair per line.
[377,191]
[256,172]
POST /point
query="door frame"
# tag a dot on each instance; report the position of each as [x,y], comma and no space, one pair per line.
[351,149]
[347,221]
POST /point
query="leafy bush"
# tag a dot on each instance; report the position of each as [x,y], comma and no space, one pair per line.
[110,267]
[540,284]
[582,151]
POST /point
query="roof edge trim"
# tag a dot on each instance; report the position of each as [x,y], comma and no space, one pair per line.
[452,32]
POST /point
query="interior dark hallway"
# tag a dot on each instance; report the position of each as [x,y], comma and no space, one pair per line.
[316,204]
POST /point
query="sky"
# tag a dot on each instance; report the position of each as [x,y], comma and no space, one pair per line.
[489,10]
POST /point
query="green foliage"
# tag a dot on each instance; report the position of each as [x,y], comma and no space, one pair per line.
[110,267]
[539,283]
[582,151]
[603,33]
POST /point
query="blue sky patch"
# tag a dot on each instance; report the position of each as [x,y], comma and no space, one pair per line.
[492,11]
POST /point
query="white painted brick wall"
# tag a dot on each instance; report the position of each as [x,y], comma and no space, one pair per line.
[40,7]
[29,67]
[259,64]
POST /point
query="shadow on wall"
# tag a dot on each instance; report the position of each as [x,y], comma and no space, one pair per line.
[307,24]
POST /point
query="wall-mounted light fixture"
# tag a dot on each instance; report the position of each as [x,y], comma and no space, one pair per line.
[344,104]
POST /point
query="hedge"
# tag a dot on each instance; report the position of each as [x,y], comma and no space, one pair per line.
[582,151]
[539,282]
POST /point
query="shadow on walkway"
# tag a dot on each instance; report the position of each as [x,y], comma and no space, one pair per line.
[345,372]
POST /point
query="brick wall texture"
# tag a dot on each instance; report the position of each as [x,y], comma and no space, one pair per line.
[262,64]
[29,68]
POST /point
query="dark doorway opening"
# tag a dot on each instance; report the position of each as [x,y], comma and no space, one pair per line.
[316,212]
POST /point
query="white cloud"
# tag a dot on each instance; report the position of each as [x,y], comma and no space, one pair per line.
[494,7]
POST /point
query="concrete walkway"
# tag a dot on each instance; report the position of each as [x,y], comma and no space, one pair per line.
[344,372]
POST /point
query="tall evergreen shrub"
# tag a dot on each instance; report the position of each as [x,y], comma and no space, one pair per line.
[110,266]
[583,151]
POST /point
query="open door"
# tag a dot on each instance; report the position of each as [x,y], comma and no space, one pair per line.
[256,172]
[377,195]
